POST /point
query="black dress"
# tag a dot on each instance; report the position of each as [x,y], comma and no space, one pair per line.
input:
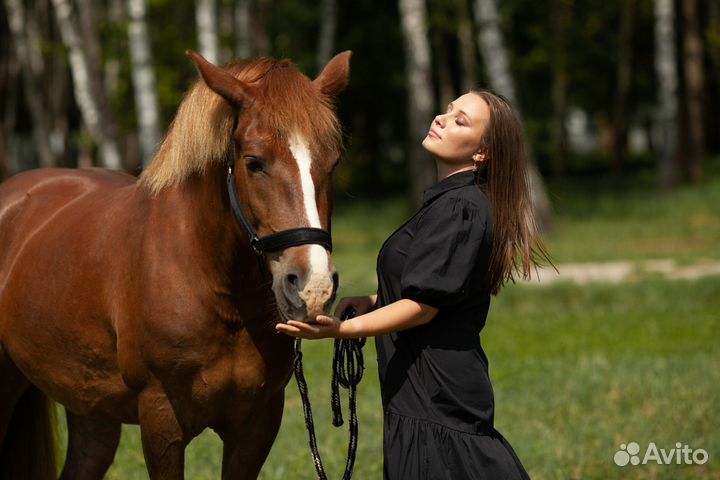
[437,398]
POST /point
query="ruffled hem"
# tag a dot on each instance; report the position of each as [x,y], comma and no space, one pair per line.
[424,450]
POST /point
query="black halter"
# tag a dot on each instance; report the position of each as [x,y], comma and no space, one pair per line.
[275,241]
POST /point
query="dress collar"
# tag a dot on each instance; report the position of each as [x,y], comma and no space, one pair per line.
[457,180]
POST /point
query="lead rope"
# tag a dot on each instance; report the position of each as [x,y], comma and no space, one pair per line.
[348,367]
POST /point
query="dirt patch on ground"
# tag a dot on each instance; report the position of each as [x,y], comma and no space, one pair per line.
[621,271]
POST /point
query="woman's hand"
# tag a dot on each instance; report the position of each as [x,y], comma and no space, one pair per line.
[323,327]
[397,316]
[361,305]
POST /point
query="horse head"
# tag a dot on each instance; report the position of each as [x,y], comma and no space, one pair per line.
[286,142]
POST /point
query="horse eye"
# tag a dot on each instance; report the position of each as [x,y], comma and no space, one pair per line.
[254,165]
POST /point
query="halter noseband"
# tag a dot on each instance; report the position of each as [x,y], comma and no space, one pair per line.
[274,241]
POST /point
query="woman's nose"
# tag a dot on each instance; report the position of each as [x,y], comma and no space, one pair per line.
[440,121]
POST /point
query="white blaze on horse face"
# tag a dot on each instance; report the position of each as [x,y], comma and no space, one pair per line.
[301,152]
[319,284]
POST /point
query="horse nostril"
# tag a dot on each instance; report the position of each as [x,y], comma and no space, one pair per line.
[291,289]
[292,279]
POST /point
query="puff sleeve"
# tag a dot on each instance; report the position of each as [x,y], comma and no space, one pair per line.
[444,253]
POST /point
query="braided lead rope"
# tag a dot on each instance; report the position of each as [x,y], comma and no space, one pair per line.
[307,410]
[348,367]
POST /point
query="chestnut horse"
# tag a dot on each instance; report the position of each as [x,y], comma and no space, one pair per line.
[142,301]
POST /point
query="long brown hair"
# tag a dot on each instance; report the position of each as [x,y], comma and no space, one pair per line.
[517,247]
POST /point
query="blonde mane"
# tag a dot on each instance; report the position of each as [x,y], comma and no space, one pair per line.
[200,134]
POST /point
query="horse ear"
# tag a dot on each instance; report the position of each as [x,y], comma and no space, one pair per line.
[220,81]
[334,77]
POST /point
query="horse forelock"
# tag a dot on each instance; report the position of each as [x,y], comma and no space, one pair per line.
[200,135]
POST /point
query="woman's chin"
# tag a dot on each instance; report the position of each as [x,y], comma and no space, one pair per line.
[427,144]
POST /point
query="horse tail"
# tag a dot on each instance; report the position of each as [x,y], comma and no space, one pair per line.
[29,448]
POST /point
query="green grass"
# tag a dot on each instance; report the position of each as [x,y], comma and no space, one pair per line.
[615,218]
[577,370]
[580,370]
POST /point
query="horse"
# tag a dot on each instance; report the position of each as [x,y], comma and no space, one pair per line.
[144,301]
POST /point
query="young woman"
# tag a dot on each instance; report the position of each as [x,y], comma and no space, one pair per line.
[473,233]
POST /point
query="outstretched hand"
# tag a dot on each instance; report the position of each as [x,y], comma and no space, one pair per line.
[325,326]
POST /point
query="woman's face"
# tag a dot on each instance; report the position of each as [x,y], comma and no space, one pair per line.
[454,136]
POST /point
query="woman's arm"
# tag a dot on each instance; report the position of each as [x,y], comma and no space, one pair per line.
[397,316]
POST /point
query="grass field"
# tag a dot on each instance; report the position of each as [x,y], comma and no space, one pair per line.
[577,370]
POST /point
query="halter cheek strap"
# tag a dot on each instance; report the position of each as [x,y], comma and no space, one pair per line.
[276,241]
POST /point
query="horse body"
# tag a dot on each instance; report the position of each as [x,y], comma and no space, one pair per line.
[47,243]
[149,307]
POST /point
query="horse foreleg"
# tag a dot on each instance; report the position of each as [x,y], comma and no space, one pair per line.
[92,443]
[247,443]
[162,437]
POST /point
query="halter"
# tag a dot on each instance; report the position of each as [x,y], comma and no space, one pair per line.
[275,241]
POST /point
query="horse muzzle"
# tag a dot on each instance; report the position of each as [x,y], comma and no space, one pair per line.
[305,282]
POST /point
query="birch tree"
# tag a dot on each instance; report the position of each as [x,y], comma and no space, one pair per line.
[419,92]
[206,20]
[497,64]
[27,52]
[90,39]
[86,100]
[666,72]
[144,82]
[328,27]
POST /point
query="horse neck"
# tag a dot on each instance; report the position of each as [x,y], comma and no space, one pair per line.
[192,227]
[199,222]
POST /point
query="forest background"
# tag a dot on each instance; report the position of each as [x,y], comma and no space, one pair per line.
[603,86]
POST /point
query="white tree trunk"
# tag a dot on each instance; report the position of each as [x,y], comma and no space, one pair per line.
[89,109]
[90,42]
[666,71]
[27,45]
[144,83]
[206,20]
[419,92]
[328,27]
[492,46]
[497,63]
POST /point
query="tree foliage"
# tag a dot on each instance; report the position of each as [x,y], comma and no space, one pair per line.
[581,40]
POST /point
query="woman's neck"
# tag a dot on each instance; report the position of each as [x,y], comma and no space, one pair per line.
[444,170]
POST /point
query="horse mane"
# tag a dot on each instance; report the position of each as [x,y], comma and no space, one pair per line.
[200,135]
